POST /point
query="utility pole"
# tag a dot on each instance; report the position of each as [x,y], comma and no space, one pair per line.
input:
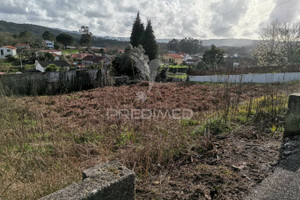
[21,60]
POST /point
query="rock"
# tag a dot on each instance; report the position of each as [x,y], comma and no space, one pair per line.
[297,137]
[288,153]
[156,183]
[286,139]
[240,167]
[290,145]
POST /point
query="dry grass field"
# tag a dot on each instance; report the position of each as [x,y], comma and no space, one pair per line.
[227,147]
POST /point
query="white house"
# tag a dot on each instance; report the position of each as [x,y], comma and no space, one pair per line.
[236,64]
[56,52]
[49,44]
[8,50]
[42,65]
[187,57]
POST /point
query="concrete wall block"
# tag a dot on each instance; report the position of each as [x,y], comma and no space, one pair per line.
[292,123]
[108,181]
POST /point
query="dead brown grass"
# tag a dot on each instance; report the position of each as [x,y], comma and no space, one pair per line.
[46,141]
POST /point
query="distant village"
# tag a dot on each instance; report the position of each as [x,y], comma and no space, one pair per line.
[83,58]
[64,59]
[179,58]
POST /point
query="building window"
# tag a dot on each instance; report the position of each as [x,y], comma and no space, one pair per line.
[2,52]
[8,50]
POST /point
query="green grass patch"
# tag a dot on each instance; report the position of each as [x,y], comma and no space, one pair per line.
[70,51]
[179,66]
[26,67]
[178,76]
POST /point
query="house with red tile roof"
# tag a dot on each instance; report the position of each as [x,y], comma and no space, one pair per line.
[80,56]
[23,46]
[8,51]
[174,58]
[95,60]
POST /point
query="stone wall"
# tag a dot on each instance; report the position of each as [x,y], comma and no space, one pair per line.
[53,82]
[108,181]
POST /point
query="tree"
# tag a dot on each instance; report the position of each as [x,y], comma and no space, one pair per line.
[190,45]
[7,39]
[174,45]
[65,39]
[26,37]
[186,45]
[48,36]
[137,32]
[279,44]
[149,42]
[214,56]
[25,34]
[86,37]
[49,57]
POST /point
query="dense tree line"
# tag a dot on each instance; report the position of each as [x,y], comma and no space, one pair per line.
[186,45]
[9,33]
[23,37]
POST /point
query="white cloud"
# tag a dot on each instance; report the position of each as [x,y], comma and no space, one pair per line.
[170,18]
[285,10]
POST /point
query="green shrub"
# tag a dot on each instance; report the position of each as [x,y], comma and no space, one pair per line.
[52,68]
[214,126]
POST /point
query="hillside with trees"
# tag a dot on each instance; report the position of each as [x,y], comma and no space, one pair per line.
[9,31]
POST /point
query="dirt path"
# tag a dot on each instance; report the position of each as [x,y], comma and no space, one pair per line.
[284,183]
[230,167]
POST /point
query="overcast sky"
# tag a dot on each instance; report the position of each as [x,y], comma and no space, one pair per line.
[202,19]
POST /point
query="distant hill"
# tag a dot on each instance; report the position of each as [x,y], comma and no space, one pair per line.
[223,42]
[217,42]
[105,41]
[230,42]
[16,28]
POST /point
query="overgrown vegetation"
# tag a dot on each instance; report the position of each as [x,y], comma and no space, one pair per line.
[44,145]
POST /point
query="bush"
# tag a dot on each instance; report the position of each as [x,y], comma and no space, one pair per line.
[162,74]
[202,66]
[10,58]
[52,68]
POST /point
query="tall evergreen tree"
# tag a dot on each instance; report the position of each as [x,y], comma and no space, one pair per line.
[149,42]
[137,31]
